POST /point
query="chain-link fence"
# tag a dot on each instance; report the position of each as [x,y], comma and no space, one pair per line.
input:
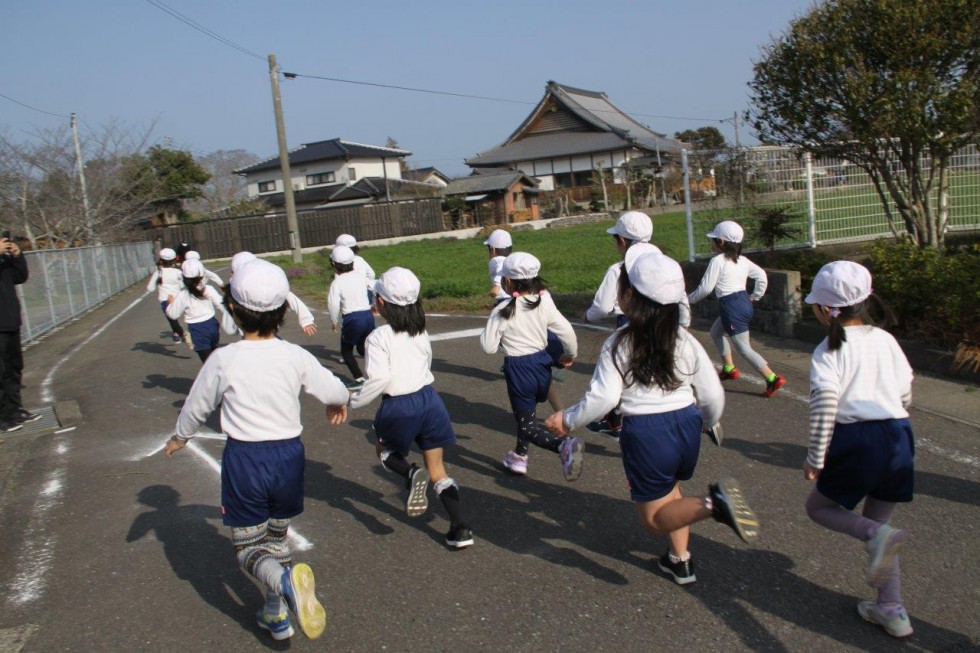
[64,283]
[825,201]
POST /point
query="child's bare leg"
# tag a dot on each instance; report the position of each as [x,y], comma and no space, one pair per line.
[672,515]
[554,399]
[433,463]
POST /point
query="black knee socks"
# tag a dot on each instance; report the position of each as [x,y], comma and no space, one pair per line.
[450,501]
[396,462]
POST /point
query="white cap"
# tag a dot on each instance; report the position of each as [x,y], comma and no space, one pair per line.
[240,259]
[638,249]
[633,225]
[260,286]
[657,277]
[728,230]
[398,286]
[342,254]
[167,254]
[346,240]
[520,265]
[192,269]
[499,239]
[839,284]
[192,256]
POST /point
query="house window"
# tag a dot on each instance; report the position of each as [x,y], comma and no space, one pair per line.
[319,178]
[351,174]
[267,186]
[563,179]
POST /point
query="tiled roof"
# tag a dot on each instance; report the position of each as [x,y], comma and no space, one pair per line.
[370,187]
[608,128]
[486,183]
[325,150]
[307,196]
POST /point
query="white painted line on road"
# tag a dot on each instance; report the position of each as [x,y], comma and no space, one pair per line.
[47,395]
[951,454]
[38,548]
[70,428]
[300,543]
[452,335]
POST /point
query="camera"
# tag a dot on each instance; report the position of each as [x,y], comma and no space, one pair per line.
[5,255]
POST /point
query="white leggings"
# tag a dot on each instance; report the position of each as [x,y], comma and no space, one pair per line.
[741,341]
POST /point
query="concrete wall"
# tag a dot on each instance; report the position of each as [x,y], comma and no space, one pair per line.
[777,312]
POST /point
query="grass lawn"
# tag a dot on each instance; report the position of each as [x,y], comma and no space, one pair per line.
[454,272]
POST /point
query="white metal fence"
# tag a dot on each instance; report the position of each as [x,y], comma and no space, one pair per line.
[833,201]
[64,283]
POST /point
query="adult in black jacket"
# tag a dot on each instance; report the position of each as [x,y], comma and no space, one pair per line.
[13,271]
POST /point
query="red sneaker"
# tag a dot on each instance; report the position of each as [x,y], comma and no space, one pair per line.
[729,376]
[773,386]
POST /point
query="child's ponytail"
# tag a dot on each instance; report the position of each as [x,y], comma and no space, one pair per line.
[517,288]
[195,286]
[872,311]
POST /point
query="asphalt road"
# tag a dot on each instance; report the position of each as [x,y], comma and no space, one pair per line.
[108,546]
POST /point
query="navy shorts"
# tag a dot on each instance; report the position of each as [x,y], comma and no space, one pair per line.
[869,459]
[621,321]
[736,312]
[205,335]
[660,449]
[555,349]
[355,328]
[261,481]
[419,417]
[163,307]
[528,380]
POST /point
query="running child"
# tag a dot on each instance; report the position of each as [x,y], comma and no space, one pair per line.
[521,325]
[213,277]
[166,280]
[296,305]
[726,275]
[197,302]
[398,362]
[361,266]
[667,389]
[258,381]
[861,442]
[348,305]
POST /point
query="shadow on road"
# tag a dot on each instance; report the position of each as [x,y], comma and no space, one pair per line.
[201,555]
[791,456]
[160,349]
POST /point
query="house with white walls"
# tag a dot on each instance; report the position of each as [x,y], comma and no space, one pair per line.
[321,170]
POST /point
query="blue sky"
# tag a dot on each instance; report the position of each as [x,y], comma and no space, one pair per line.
[130,61]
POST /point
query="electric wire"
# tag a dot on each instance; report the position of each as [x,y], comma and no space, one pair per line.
[201,28]
[27,106]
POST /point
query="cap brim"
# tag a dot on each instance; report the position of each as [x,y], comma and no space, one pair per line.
[612,231]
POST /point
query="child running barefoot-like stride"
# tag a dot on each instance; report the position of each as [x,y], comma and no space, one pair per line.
[667,390]
[398,361]
[521,325]
[861,443]
[257,381]
[726,276]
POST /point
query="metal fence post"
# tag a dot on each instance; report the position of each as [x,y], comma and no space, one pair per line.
[810,199]
[25,314]
[687,206]
[71,300]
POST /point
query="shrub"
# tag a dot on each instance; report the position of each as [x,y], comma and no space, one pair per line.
[772,225]
[934,293]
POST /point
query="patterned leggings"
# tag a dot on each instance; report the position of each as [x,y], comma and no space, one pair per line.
[263,552]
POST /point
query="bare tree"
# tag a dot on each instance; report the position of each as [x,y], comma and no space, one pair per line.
[225,190]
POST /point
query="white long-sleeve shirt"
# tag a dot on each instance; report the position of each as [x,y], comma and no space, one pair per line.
[526,332]
[870,378]
[258,383]
[363,268]
[171,282]
[348,294]
[699,385]
[725,277]
[495,269]
[196,310]
[213,277]
[395,364]
[606,301]
[303,313]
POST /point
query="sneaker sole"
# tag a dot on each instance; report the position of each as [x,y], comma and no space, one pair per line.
[716,434]
[680,580]
[12,428]
[769,393]
[286,634]
[417,502]
[310,615]
[878,570]
[575,469]
[744,521]
[866,610]
[459,544]
[35,417]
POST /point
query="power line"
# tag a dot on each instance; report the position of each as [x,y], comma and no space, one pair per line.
[27,106]
[482,97]
[201,28]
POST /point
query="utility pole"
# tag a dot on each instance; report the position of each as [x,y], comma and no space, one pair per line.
[287,179]
[738,154]
[81,181]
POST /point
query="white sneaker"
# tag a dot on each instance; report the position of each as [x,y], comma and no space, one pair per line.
[515,464]
[882,549]
[571,457]
[896,625]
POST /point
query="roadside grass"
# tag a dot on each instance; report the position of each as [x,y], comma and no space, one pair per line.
[454,275]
